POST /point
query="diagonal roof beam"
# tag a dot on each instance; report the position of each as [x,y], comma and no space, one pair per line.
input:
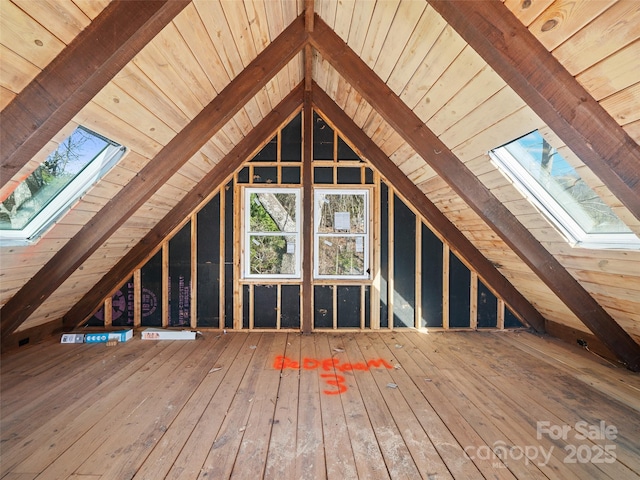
[551,92]
[76,75]
[169,160]
[427,209]
[474,193]
[209,183]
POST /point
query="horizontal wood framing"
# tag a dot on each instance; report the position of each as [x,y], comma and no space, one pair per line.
[476,195]
[551,91]
[76,75]
[177,152]
[267,406]
[371,152]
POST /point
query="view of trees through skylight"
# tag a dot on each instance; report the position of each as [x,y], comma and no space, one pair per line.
[559,191]
[77,163]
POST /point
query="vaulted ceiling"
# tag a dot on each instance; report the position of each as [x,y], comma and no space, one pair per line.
[423,90]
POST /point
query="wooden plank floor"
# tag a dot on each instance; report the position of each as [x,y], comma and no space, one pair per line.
[399,404]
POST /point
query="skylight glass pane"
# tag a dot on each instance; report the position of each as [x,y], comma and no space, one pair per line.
[78,162]
[553,185]
[552,172]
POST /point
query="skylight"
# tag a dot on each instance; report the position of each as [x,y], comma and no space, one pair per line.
[80,160]
[554,187]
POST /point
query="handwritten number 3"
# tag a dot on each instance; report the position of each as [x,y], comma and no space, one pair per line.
[335,381]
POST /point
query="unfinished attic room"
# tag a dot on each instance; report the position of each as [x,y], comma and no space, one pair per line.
[320,239]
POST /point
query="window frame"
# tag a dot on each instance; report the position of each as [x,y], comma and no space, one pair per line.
[62,202]
[550,208]
[247,234]
[366,235]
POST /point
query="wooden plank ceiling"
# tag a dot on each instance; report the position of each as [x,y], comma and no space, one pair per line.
[186,86]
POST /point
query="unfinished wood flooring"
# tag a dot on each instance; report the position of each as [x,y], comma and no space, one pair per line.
[341,406]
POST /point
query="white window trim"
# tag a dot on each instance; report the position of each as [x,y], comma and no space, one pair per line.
[246,263]
[365,234]
[549,207]
[65,198]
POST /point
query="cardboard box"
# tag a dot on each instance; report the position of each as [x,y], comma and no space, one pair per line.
[164,334]
[72,338]
[103,337]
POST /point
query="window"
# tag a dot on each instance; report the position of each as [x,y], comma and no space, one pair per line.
[272,232]
[555,188]
[341,243]
[37,202]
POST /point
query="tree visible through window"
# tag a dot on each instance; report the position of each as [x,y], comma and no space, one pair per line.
[341,242]
[66,173]
[272,236]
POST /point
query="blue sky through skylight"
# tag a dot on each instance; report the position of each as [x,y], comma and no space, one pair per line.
[560,193]
[36,202]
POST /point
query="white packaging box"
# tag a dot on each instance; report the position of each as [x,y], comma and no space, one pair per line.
[164,334]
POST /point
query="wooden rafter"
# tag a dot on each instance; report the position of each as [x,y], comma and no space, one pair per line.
[307,208]
[551,92]
[427,209]
[474,193]
[76,75]
[169,160]
[209,183]
[307,157]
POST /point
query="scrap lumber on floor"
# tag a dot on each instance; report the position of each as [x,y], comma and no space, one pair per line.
[399,404]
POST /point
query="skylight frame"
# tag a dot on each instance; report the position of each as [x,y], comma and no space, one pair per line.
[66,198]
[563,221]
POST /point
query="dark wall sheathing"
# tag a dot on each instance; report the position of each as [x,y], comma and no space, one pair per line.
[404,264]
[208,268]
[410,280]
[459,293]
[431,291]
[151,283]
[180,278]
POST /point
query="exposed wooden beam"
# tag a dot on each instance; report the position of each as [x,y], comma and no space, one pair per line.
[461,244]
[307,210]
[308,51]
[306,322]
[76,75]
[551,91]
[474,193]
[175,154]
[209,183]
[309,14]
